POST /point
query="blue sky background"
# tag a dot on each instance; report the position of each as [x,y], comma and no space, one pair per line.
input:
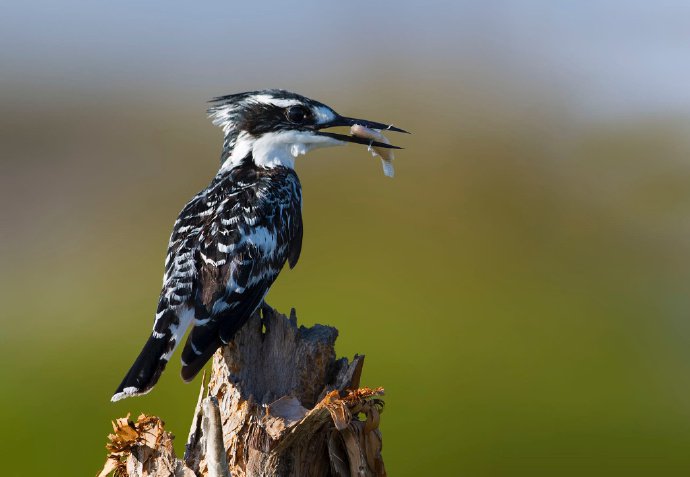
[607,58]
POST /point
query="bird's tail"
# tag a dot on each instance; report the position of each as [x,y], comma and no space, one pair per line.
[168,331]
[147,368]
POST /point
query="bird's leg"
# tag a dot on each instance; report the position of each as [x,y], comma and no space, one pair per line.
[265,308]
[266,313]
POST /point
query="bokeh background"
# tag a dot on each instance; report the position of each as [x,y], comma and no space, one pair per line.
[521,288]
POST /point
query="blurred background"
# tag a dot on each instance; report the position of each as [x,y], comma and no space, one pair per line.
[521,288]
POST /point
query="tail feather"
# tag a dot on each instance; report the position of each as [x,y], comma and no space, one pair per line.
[205,339]
[146,370]
[211,333]
[198,351]
[168,331]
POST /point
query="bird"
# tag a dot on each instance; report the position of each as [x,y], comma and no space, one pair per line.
[232,239]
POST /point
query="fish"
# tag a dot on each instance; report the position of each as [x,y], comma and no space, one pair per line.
[386,155]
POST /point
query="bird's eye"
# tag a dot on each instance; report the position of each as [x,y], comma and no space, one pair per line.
[297,114]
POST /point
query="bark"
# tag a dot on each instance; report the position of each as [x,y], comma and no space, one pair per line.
[277,403]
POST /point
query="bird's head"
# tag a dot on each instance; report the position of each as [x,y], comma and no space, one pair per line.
[276,126]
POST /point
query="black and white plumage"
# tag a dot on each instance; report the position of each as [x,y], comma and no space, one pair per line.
[233,238]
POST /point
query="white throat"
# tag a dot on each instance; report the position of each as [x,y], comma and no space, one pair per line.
[276,148]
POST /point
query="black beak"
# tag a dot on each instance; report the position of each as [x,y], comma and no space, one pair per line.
[343,121]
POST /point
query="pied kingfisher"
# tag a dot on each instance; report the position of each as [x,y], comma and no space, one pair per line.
[231,240]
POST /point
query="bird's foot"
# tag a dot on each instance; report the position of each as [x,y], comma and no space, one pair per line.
[266,310]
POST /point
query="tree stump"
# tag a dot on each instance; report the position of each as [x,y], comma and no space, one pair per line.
[277,403]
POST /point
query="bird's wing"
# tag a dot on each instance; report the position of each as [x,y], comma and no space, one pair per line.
[243,248]
[296,243]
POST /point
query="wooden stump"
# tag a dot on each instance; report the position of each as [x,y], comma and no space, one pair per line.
[277,403]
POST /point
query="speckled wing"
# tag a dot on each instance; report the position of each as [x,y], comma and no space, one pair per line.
[255,228]
[227,247]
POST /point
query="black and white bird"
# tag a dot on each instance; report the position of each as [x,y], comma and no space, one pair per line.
[232,239]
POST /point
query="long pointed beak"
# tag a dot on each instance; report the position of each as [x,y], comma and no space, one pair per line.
[344,121]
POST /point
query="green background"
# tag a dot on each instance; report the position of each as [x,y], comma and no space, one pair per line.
[520,288]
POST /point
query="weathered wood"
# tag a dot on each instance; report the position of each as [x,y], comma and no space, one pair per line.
[278,403]
[142,448]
